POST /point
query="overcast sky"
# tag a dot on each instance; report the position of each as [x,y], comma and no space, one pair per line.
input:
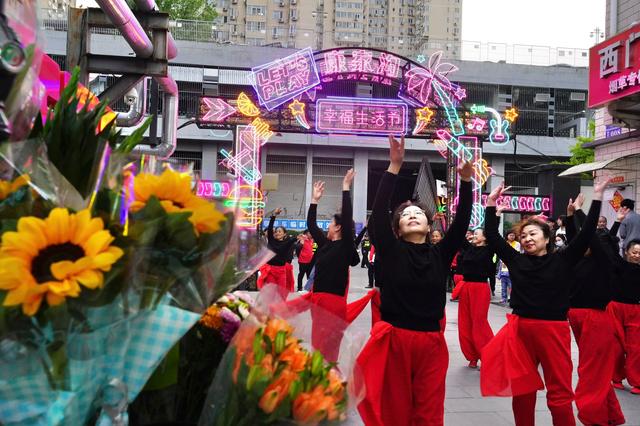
[555,23]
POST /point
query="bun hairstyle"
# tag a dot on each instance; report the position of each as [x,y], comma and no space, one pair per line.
[541,224]
[631,243]
[337,218]
[395,224]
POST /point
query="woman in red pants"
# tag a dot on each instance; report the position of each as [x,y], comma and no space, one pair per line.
[336,252]
[593,327]
[625,308]
[474,331]
[405,360]
[538,329]
[276,271]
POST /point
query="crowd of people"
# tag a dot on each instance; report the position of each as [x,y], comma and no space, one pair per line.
[570,275]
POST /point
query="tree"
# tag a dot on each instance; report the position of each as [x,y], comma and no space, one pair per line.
[580,155]
[200,10]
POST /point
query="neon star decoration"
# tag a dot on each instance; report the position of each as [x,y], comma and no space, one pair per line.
[421,59]
[511,114]
[423,117]
[216,110]
[297,110]
[246,106]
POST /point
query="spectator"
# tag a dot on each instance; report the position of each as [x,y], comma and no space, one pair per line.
[503,271]
[561,228]
[630,227]
[365,247]
[602,225]
[305,256]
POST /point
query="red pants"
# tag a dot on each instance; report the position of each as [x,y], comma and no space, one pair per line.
[277,275]
[404,373]
[627,321]
[596,400]
[457,286]
[474,331]
[549,344]
[328,322]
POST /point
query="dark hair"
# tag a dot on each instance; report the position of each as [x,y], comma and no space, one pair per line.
[337,218]
[306,231]
[283,228]
[631,243]
[563,219]
[511,231]
[603,217]
[480,228]
[628,203]
[544,227]
[437,230]
[562,237]
[395,224]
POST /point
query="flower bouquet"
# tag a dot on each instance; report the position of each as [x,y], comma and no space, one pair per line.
[102,271]
[202,348]
[269,375]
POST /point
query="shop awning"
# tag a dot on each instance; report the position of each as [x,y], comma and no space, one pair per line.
[596,165]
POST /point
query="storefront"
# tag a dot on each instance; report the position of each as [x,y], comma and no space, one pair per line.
[614,87]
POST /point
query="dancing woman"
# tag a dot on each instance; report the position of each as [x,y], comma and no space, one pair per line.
[406,358]
[593,327]
[625,308]
[276,271]
[336,252]
[474,331]
[538,331]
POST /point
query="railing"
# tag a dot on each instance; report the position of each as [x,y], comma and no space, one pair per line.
[222,33]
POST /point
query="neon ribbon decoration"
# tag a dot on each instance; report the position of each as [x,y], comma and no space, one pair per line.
[423,117]
[297,110]
[217,110]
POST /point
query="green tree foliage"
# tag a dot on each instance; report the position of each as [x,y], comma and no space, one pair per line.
[580,155]
[200,10]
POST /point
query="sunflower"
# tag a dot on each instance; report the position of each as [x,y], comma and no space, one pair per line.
[7,187]
[53,258]
[173,189]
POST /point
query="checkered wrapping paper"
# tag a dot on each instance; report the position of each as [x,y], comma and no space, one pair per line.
[129,350]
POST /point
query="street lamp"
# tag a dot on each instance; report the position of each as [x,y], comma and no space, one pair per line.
[597,33]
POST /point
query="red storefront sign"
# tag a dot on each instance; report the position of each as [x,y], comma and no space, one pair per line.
[614,68]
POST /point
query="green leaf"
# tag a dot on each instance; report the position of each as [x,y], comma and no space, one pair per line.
[131,141]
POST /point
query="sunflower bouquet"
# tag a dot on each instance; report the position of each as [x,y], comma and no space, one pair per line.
[103,268]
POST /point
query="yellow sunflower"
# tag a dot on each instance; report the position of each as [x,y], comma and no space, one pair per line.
[9,186]
[173,189]
[52,258]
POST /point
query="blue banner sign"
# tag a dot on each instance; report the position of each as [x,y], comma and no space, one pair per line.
[300,225]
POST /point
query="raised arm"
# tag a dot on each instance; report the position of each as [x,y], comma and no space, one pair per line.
[384,237]
[575,250]
[270,238]
[347,208]
[495,240]
[616,225]
[454,238]
[312,225]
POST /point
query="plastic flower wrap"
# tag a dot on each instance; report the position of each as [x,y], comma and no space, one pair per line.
[94,289]
[269,375]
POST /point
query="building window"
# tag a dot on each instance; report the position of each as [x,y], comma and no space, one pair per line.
[256,26]
[256,10]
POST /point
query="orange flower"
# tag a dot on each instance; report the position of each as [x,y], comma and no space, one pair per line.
[267,365]
[212,318]
[336,385]
[277,391]
[313,407]
[295,357]
[274,326]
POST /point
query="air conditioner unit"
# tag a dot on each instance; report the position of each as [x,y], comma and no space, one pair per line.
[282,20]
[282,4]
[577,96]
[233,17]
[294,1]
[294,18]
[224,9]
[234,1]
[542,97]
[276,36]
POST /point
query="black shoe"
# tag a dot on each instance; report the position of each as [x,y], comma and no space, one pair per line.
[368,286]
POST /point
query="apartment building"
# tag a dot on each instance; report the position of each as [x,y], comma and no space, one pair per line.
[406,27]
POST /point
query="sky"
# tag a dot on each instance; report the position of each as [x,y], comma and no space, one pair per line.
[555,23]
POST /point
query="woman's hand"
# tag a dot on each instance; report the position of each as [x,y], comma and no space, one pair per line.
[496,193]
[348,180]
[396,154]
[318,190]
[502,207]
[465,171]
[620,215]
[277,211]
[598,188]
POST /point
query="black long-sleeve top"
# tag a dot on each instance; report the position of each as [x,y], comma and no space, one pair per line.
[414,275]
[626,276]
[283,249]
[541,284]
[477,262]
[333,258]
[591,281]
